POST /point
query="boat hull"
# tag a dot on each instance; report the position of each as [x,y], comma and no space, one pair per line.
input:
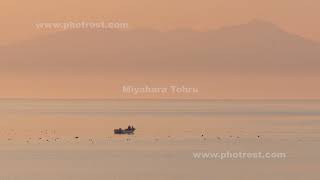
[124,131]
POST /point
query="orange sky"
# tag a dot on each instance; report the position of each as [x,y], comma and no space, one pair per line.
[17,17]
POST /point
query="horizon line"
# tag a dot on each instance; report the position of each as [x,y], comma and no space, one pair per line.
[168,99]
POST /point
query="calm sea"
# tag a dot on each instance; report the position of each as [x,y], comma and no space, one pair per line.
[164,116]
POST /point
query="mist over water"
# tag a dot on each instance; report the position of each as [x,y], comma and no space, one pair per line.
[161,107]
[162,117]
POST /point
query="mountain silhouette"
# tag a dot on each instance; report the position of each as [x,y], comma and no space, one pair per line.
[257,46]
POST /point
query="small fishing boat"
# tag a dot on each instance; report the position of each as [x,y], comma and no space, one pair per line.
[129,130]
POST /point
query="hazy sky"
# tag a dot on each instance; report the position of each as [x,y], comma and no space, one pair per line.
[17,17]
[46,57]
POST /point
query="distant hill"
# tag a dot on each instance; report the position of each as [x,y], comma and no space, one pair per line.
[256,46]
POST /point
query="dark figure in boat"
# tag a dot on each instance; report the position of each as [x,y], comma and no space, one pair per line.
[129,130]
